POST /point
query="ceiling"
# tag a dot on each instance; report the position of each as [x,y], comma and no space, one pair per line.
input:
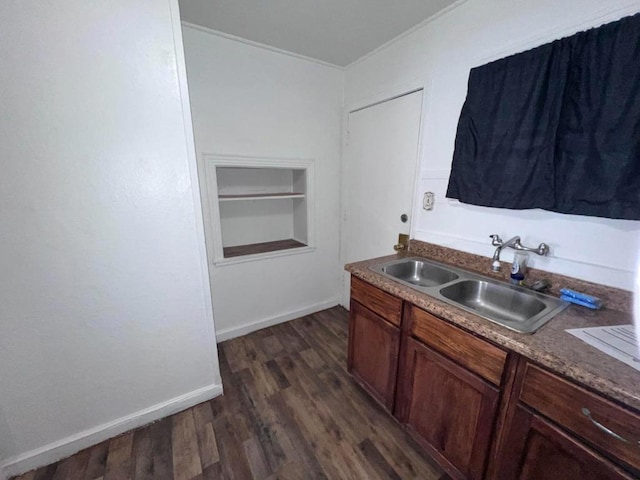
[334,31]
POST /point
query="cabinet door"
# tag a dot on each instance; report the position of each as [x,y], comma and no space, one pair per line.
[449,410]
[374,346]
[541,451]
[564,403]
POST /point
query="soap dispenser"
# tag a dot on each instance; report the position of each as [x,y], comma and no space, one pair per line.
[519,267]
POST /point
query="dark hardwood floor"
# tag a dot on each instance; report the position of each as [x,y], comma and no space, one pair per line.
[290,411]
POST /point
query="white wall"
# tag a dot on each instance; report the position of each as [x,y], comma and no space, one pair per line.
[252,101]
[105,313]
[439,56]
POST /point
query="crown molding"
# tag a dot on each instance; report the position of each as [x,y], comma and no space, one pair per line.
[263,46]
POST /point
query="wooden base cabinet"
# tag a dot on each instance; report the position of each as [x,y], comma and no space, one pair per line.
[425,371]
[538,450]
[449,410]
[480,410]
[374,340]
[374,344]
[557,429]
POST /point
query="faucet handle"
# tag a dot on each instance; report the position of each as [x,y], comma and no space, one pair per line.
[496,241]
[540,285]
[543,249]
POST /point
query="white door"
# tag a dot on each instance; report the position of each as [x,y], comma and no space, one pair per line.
[378,178]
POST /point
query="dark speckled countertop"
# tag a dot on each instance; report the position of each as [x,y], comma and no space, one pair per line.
[551,346]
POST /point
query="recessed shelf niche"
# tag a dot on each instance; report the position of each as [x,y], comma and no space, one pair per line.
[261,207]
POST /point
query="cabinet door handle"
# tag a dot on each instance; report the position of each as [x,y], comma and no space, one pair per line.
[587,413]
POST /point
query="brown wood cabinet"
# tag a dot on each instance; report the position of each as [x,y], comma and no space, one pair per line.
[480,410]
[556,429]
[538,450]
[382,303]
[374,343]
[448,409]
[477,355]
[583,413]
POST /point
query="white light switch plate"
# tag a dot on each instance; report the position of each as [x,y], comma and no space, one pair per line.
[428,200]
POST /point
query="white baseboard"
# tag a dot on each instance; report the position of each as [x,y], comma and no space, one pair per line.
[68,446]
[229,333]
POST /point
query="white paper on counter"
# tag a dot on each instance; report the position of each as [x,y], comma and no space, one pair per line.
[618,341]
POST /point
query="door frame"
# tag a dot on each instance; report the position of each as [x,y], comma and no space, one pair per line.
[391,93]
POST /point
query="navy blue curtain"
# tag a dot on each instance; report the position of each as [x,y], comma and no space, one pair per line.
[556,127]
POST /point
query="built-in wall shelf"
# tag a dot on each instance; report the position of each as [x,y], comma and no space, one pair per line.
[259,196]
[260,207]
[264,247]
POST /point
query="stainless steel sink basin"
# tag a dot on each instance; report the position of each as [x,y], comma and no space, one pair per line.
[418,272]
[504,304]
[511,306]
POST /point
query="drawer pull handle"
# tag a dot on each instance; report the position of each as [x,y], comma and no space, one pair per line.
[587,413]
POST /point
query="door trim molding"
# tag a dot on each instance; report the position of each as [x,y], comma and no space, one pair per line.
[391,94]
[400,95]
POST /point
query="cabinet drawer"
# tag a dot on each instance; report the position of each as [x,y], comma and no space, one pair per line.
[382,303]
[564,403]
[471,352]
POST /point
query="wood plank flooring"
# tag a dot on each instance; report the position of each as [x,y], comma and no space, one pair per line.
[290,411]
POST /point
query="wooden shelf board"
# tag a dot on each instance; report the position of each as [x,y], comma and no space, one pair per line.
[264,247]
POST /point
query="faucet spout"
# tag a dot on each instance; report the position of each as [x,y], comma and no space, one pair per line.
[496,241]
[495,265]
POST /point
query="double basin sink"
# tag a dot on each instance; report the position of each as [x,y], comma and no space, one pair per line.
[511,306]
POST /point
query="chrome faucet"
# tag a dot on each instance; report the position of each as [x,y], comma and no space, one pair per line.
[514,243]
